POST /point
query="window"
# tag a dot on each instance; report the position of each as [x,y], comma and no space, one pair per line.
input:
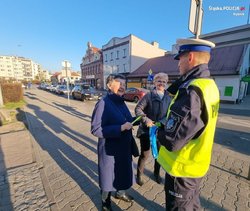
[124,53]
[106,57]
[117,54]
[117,68]
[228,91]
[124,67]
[131,90]
[111,56]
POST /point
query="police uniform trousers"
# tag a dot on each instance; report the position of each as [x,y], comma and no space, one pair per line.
[182,194]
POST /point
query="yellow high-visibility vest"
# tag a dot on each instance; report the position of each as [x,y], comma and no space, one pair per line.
[194,158]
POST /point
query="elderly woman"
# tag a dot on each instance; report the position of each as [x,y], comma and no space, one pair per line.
[111,123]
[153,108]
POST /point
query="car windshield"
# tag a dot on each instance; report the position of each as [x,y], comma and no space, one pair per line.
[87,87]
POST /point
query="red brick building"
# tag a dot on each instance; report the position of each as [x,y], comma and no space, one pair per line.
[92,67]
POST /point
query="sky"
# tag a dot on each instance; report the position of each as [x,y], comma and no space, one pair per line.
[51,31]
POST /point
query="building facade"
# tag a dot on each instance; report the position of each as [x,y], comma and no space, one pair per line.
[229,64]
[18,68]
[65,75]
[92,67]
[124,55]
[232,87]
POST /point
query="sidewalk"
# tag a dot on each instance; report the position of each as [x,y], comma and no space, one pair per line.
[244,105]
[20,179]
[22,186]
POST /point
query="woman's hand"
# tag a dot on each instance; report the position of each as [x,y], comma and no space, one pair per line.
[150,123]
[126,126]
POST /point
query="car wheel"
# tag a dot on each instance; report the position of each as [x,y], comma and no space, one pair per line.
[82,98]
[73,95]
[136,99]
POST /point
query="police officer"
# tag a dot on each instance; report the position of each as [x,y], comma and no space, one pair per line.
[188,134]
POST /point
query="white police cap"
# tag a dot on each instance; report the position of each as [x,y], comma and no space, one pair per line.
[188,45]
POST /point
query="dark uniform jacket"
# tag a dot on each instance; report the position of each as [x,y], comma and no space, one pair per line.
[115,148]
[188,116]
[153,108]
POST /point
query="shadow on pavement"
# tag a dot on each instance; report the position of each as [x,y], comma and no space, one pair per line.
[237,141]
[236,112]
[5,195]
[73,163]
[73,111]
[209,205]
[67,109]
[76,165]
[29,93]
[20,116]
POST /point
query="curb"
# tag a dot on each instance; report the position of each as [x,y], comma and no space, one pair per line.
[38,160]
[4,116]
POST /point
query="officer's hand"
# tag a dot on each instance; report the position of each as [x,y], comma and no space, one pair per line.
[126,126]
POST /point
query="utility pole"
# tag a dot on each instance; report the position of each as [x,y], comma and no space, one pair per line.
[65,64]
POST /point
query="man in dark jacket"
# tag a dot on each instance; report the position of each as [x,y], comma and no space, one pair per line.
[187,137]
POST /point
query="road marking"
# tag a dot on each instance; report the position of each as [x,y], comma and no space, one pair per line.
[234,121]
[243,138]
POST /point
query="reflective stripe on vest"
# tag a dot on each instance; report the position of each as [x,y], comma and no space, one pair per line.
[194,158]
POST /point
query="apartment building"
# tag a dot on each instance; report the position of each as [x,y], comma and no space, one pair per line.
[10,68]
[43,75]
[124,55]
[18,68]
[92,67]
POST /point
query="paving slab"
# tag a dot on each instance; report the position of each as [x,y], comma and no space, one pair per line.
[15,146]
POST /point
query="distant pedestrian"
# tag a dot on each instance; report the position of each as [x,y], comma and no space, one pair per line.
[188,135]
[111,123]
[29,85]
[153,107]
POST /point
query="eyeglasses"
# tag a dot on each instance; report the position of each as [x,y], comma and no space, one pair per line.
[161,81]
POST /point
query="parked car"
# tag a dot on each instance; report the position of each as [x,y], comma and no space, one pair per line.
[62,89]
[135,94]
[53,87]
[86,92]
[43,86]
